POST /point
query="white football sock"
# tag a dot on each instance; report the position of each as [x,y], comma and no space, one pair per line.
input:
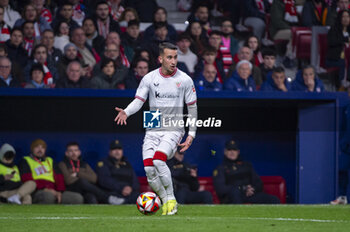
[155,183]
[165,177]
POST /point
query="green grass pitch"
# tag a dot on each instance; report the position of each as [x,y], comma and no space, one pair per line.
[215,218]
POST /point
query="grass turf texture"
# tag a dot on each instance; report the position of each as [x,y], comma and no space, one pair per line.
[189,218]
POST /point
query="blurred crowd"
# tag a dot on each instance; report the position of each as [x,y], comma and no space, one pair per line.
[227,45]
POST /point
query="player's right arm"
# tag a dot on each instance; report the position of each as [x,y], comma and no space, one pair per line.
[135,105]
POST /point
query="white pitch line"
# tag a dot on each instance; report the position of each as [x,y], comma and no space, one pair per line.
[176,218]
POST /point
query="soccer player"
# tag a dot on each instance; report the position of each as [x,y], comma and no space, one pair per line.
[167,89]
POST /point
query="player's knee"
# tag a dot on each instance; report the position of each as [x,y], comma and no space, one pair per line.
[159,163]
[150,172]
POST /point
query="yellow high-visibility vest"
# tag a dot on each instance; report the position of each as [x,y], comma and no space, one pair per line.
[41,170]
[4,170]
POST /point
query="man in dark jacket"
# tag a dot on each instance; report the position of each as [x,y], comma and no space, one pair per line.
[74,77]
[241,79]
[104,20]
[11,187]
[116,175]
[306,80]
[236,181]
[136,74]
[14,47]
[276,81]
[208,80]
[131,39]
[6,77]
[185,181]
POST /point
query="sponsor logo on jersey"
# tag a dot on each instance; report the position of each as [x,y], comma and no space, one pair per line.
[166,95]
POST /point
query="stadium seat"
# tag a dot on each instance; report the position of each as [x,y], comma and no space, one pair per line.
[274,185]
[301,42]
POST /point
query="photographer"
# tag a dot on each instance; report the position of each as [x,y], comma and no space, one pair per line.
[185,181]
[11,187]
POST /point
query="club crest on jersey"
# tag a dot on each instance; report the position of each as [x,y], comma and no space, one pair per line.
[178,84]
[152,119]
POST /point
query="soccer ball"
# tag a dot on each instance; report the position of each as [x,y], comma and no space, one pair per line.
[148,203]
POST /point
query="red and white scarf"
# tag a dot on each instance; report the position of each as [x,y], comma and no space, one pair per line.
[103,28]
[28,45]
[226,58]
[4,33]
[37,31]
[48,79]
[46,14]
[115,12]
[290,12]
[78,14]
[260,5]
[123,57]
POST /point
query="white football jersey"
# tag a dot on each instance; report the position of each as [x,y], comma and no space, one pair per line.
[167,93]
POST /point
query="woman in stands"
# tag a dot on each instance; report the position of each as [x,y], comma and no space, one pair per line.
[199,37]
[253,43]
[338,44]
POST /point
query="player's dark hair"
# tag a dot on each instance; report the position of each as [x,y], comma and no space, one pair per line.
[72,144]
[166,45]
[278,69]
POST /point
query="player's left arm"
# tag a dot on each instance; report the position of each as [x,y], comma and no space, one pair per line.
[191,102]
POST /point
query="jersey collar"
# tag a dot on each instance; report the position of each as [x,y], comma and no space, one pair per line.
[166,76]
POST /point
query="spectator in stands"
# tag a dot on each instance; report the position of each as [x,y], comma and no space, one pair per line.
[10,15]
[283,17]
[11,186]
[42,169]
[4,27]
[269,62]
[160,15]
[333,10]
[6,78]
[116,9]
[254,44]
[113,37]
[104,20]
[87,53]
[61,35]
[161,35]
[184,53]
[109,76]
[116,175]
[43,12]
[16,69]
[222,53]
[93,39]
[208,80]
[30,14]
[209,57]
[141,68]
[201,15]
[314,13]
[143,53]
[131,39]
[228,40]
[144,8]
[80,11]
[338,39]
[199,37]
[185,181]
[70,54]
[80,177]
[74,77]
[15,50]
[37,78]
[112,51]
[236,182]
[65,13]
[127,15]
[245,53]
[276,81]
[40,55]
[307,80]
[28,36]
[255,14]
[48,39]
[241,80]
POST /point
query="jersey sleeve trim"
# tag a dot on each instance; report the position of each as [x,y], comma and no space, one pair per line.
[191,103]
[140,98]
